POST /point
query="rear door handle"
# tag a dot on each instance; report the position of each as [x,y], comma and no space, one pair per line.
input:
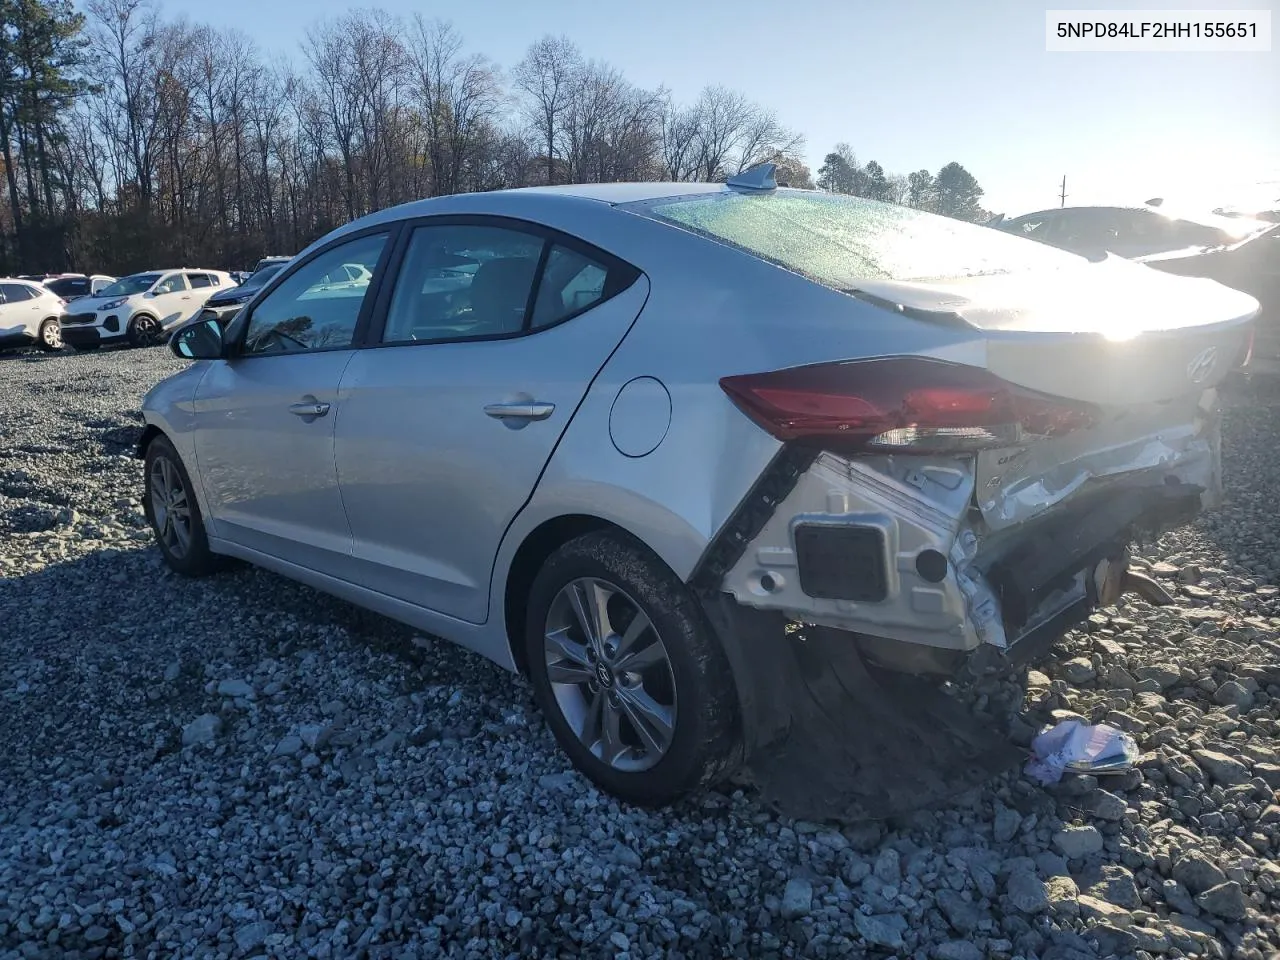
[309,408]
[520,410]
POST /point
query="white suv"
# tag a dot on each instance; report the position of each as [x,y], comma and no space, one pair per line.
[140,308]
[29,315]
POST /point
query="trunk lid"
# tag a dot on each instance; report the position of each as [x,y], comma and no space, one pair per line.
[1146,349]
[1112,332]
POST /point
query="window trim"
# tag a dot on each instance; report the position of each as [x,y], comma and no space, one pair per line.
[550,236]
[244,317]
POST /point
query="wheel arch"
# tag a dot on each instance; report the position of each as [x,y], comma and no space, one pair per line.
[149,433]
[542,541]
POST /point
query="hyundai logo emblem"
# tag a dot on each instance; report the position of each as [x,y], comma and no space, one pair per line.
[1202,365]
[604,675]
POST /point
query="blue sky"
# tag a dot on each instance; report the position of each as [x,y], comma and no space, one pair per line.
[909,83]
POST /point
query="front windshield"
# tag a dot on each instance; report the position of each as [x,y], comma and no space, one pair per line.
[129,286]
[839,240]
[261,276]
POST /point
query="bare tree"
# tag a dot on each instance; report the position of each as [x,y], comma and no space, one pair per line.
[546,76]
[178,141]
[458,97]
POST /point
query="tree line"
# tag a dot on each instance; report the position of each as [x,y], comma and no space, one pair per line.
[132,140]
[953,191]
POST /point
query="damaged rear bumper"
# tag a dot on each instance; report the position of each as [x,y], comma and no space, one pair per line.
[924,560]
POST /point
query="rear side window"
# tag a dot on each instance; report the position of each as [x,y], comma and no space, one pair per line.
[198,280]
[571,282]
[16,292]
[839,240]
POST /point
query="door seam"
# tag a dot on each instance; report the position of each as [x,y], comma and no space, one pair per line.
[337,476]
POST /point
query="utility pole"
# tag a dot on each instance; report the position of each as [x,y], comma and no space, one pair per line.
[1062,197]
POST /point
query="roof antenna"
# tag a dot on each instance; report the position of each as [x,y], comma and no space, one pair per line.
[759,177]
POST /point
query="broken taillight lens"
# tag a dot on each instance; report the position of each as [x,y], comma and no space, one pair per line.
[907,404]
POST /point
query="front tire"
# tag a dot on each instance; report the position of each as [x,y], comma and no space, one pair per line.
[144,331]
[50,336]
[628,673]
[169,502]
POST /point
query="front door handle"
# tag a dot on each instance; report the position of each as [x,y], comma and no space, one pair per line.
[309,408]
[520,410]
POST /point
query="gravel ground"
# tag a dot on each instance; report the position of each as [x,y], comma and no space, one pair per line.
[239,766]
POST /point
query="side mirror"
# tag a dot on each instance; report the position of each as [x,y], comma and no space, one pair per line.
[199,341]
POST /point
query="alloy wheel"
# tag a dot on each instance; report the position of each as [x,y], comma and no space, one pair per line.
[170,507]
[51,334]
[146,331]
[610,674]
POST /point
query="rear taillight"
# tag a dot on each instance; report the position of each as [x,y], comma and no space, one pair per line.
[906,404]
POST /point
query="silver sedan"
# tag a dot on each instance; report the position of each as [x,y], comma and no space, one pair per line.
[612,435]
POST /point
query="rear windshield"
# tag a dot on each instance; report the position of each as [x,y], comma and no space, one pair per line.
[839,240]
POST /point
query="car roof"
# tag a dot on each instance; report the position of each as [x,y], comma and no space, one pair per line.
[615,193]
[610,193]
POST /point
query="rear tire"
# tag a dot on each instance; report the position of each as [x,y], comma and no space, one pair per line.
[648,714]
[50,336]
[170,505]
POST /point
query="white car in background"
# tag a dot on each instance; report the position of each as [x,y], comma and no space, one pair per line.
[29,315]
[141,308]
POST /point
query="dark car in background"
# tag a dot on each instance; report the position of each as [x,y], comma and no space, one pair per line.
[1239,251]
[72,286]
[224,304]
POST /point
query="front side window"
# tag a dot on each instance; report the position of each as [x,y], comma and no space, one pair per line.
[462,281]
[173,284]
[318,306]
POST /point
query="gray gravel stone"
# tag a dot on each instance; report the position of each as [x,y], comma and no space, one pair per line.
[963,915]
[881,930]
[1076,843]
[1027,892]
[1224,769]
[1226,900]
[1197,872]
[797,898]
[235,688]
[956,950]
[420,808]
[1006,824]
[202,729]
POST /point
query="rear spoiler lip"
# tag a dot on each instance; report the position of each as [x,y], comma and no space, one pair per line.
[949,318]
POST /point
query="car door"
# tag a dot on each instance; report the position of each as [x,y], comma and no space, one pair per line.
[19,311]
[447,424]
[203,286]
[265,416]
[168,299]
